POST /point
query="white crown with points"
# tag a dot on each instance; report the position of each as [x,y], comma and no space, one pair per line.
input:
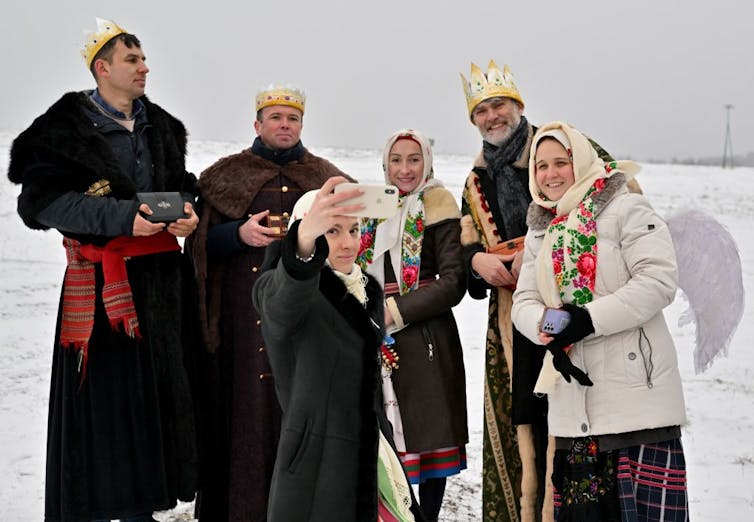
[95,40]
[495,83]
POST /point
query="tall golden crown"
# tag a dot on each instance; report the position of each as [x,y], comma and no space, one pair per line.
[281,95]
[95,40]
[495,83]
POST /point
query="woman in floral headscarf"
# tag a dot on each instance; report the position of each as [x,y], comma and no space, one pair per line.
[616,405]
[416,255]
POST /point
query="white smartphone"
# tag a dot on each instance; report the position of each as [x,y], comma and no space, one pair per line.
[380,201]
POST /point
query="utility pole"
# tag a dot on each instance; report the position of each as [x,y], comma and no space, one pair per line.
[728,149]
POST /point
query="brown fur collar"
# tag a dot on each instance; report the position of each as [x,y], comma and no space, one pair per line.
[538,218]
[232,182]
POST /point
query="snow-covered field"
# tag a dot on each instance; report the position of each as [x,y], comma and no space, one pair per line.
[719,436]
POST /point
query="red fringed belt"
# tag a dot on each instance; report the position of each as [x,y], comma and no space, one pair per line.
[393,288]
[78,286]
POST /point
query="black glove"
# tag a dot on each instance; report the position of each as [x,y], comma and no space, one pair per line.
[567,369]
[579,327]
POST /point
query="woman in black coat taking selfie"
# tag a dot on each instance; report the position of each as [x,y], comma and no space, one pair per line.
[322,321]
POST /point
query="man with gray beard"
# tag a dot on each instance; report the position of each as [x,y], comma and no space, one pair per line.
[495,201]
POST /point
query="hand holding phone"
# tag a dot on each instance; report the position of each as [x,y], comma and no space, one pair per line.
[554,321]
[380,201]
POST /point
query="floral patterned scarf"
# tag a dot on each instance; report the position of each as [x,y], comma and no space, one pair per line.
[573,247]
[411,245]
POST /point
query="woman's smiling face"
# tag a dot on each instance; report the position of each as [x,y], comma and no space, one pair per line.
[405,165]
[554,169]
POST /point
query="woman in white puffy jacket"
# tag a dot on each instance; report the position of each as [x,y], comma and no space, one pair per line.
[605,257]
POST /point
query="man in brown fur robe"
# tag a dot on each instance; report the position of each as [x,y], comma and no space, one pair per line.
[245,200]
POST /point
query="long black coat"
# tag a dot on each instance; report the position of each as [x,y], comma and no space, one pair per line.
[323,346]
[121,442]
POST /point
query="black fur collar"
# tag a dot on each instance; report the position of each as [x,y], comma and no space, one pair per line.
[366,321]
[65,137]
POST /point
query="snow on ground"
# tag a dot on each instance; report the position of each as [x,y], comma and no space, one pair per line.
[719,436]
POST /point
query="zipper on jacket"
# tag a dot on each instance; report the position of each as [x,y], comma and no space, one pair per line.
[430,346]
[646,358]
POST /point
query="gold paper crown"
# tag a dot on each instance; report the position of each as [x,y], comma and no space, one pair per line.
[106,31]
[281,95]
[483,87]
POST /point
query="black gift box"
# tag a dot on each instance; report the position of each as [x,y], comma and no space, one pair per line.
[166,206]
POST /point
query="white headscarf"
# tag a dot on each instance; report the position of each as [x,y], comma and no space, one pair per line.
[587,168]
[389,233]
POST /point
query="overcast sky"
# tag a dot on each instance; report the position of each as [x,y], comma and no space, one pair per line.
[645,78]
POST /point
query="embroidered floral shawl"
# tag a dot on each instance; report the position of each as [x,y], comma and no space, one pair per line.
[401,235]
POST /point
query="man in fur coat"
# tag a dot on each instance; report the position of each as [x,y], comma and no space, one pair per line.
[121,438]
[245,202]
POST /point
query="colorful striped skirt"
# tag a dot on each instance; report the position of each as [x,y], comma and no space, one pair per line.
[439,463]
[644,483]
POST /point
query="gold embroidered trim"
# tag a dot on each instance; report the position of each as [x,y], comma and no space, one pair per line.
[99,188]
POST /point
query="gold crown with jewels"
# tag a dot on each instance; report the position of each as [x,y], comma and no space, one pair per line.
[95,40]
[281,95]
[495,83]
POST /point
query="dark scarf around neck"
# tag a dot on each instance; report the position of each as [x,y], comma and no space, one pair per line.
[512,185]
[279,157]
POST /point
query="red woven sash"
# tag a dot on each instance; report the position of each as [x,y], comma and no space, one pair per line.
[391,289]
[78,286]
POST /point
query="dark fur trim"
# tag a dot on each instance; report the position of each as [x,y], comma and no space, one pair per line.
[539,218]
[232,182]
[298,270]
[368,322]
[348,306]
[71,155]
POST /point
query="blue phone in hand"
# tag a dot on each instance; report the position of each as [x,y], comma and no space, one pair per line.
[554,321]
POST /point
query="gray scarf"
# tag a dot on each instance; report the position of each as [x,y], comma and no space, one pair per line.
[512,184]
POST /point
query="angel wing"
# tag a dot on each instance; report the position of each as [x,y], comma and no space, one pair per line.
[709,273]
